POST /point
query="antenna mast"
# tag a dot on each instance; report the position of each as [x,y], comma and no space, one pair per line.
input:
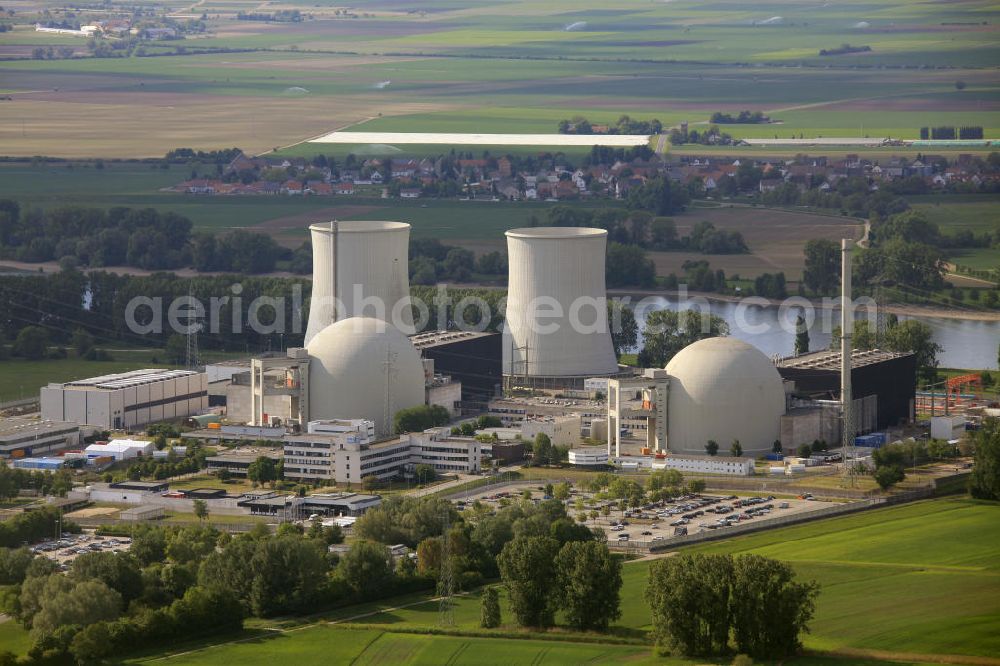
[446,584]
[191,355]
[334,231]
[389,368]
[846,349]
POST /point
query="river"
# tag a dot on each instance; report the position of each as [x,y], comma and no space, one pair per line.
[965,343]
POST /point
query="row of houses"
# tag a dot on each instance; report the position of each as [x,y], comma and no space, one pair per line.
[499,179]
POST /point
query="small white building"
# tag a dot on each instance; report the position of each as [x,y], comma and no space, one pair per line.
[561,430]
[696,464]
[338,426]
[588,457]
[947,427]
[120,449]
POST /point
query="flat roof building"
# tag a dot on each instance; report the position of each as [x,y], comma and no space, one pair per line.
[883,384]
[472,358]
[126,399]
[41,464]
[120,449]
[20,437]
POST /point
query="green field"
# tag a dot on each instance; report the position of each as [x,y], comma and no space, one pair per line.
[332,645]
[516,66]
[902,582]
[977,213]
[22,379]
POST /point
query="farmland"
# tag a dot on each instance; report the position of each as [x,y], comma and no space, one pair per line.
[928,571]
[516,67]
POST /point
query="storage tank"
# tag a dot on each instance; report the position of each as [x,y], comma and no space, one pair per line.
[723,389]
[363,368]
[557,273]
[360,261]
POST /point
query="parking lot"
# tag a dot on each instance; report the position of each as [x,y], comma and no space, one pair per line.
[690,514]
[71,546]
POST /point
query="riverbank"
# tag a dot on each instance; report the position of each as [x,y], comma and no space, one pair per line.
[900,309]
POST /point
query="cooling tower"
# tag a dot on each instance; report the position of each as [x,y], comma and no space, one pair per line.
[557,304]
[363,264]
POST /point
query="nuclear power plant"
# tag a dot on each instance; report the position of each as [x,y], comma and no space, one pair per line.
[556,324]
[359,267]
[552,370]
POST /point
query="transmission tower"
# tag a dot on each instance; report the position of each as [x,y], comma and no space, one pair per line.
[193,326]
[389,368]
[446,584]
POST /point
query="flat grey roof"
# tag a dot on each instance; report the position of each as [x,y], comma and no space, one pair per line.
[21,426]
[434,338]
[123,380]
[830,360]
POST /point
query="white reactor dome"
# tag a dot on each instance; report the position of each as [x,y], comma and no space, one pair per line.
[362,266]
[363,368]
[723,389]
[556,303]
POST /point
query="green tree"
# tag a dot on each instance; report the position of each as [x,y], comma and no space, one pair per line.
[689,597]
[887,476]
[529,574]
[79,604]
[712,447]
[822,266]
[801,336]
[777,447]
[736,449]
[623,326]
[82,342]
[119,571]
[200,509]
[985,480]
[489,613]
[32,343]
[805,450]
[424,473]
[628,266]
[175,350]
[590,580]
[542,452]
[263,470]
[420,418]
[768,608]
[366,568]
[561,491]
[667,332]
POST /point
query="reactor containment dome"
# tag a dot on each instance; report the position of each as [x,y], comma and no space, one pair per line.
[723,389]
[556,321]
[363,368]
[359,267]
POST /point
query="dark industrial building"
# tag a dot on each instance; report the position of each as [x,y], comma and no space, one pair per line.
[883,384]
[475,359]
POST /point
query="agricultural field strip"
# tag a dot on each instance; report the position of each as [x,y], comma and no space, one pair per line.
[319,621]
[484,139]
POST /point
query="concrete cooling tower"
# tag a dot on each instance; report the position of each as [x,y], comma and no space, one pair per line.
[363,368]
[557,273]
[371,255]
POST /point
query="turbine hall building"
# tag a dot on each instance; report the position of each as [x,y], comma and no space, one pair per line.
[126,399]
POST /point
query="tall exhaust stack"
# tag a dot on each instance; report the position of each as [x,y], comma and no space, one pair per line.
[846,348]
[355,262]
[557,304]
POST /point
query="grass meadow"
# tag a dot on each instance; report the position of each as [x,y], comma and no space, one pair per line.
[912,583]
[514,67]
